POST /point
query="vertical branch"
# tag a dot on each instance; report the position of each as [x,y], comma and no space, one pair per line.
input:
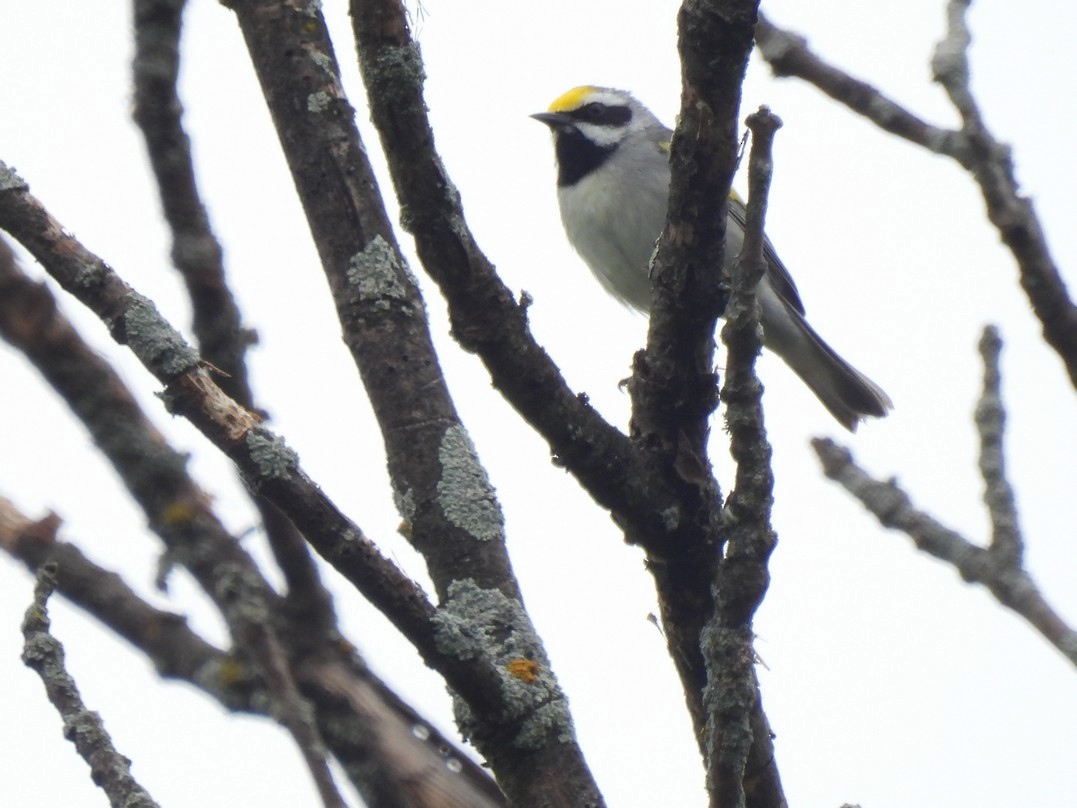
[196,252]
[674,388]
[990,419]
[732,697]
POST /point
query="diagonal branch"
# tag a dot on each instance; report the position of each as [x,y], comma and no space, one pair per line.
[155,475]
[789,56]
[999,567]
[367,727]
[973,147]
[271,469]
[165,638]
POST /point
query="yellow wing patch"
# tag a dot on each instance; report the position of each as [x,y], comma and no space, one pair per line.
[572,99]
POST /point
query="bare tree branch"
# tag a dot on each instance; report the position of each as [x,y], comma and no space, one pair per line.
[392,754]
[43,653]
[999,567]
[1006,541]
[789,56]
[196,253]
[674,388]
[486,320]
[441,489]
[156,477]
[265,462]
[165,638]
[740,752]
[973,147]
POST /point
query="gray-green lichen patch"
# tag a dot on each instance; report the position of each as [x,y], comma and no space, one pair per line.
[396,69]
[91,274]
[153,340]
[323,61]
[379,276]
[273,458]
[477,623]
[319,101]
[10,180]
[464,492]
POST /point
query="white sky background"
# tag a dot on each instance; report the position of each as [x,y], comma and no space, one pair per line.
[889,682]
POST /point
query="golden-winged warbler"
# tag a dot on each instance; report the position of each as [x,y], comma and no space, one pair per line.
[613,185]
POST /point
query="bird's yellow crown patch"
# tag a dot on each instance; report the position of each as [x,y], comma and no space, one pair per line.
[571,99]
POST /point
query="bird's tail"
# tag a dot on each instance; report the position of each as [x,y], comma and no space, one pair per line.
[847,393]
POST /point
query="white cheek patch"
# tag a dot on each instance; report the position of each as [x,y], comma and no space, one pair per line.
[604,136]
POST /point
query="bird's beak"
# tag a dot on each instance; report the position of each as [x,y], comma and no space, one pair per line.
[555,120]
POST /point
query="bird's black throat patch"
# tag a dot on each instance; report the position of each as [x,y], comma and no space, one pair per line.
[577,157]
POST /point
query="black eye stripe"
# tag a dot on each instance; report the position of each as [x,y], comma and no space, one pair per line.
[602,114]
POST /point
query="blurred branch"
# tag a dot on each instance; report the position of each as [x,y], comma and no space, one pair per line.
[741,764]
[110,770]
[973,147]
[266,463]
[196,253]
[402,760]
[155,474]
[999,566]
[372,732]
[165,638]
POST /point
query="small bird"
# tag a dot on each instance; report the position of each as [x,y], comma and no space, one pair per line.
[613,186]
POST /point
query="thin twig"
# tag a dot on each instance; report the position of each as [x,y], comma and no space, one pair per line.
[1006,541]
[973,147]
[789,56]
[163,637]
[42,652]
[1011,585]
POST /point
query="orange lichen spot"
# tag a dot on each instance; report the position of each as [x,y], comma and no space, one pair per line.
[526,670]
[177,512]
[233,672]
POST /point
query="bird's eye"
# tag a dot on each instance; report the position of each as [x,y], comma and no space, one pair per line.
[595,111]
[603,114]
